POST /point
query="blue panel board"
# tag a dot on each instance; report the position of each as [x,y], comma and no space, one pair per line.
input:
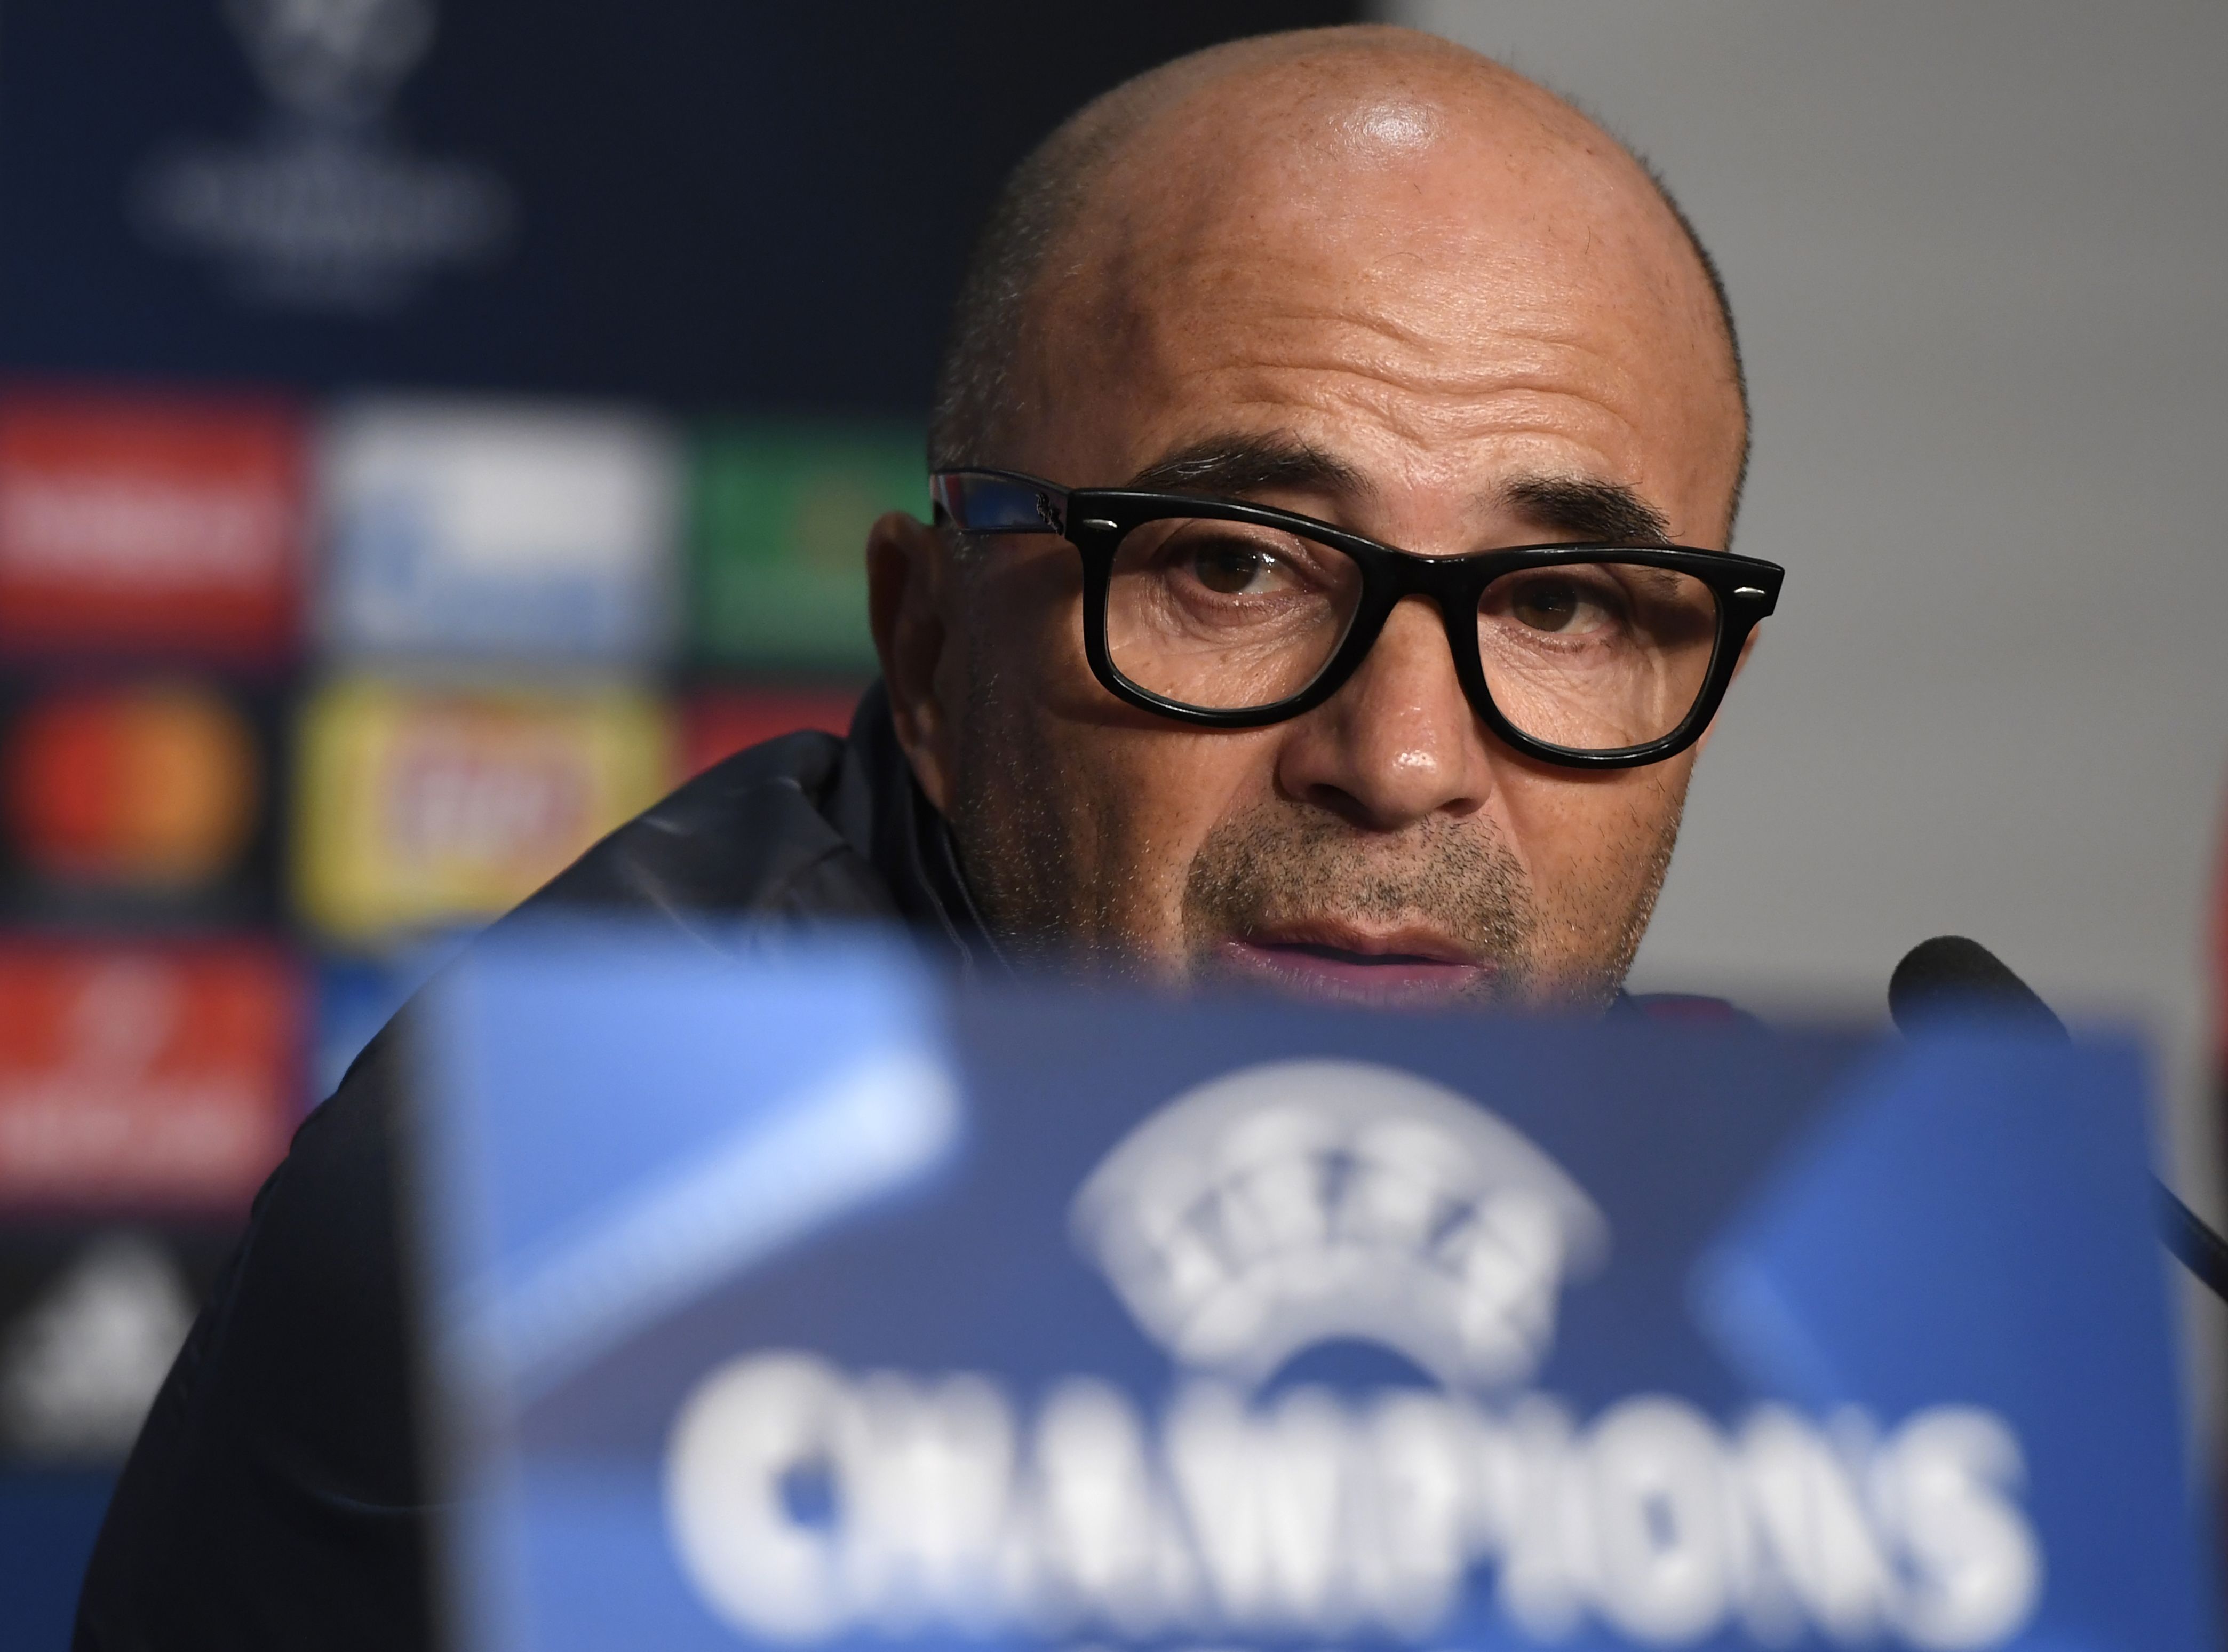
[784,1297]
[49,1519]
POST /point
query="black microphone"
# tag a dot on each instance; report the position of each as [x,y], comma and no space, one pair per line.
[1951,978]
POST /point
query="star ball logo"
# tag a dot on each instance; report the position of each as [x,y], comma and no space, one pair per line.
[1308,1201]
[1271,1211]
[326,209]
[333,59]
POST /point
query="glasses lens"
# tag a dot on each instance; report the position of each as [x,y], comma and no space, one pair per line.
[1597,656]
[1227,616]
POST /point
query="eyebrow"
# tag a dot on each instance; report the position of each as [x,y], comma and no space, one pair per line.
[1247,463]
[1583,510]
[1587,509]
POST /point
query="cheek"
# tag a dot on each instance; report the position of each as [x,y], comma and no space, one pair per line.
[1022,615]
[1575,832]
[1128,796]
[1170,787]
[1138,799]
[1155,795]
[1147,781]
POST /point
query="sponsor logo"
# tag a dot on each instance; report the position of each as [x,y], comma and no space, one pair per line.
[470,528]
[327,210]
[1275,1209]
[154,786]
[779,516]
[424,808]
[144,1076]
[81,1366]
[138,521]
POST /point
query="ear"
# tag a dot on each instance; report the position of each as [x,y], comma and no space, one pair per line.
[908,574]
[1748,647]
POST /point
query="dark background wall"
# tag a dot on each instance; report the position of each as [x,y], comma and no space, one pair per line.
[709,204]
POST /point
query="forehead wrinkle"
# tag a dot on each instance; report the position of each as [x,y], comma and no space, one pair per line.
[1433,421]
[1538,479]
[1570,365]
[1398,256]
[1428,334]
[1424,349]
[1424,409]
[1534,443]
[1380,359]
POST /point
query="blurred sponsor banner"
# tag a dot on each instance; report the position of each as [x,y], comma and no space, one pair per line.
[779,540]
[716,723]
[147,522]
[152,789]
[90,1321]
[517,530]
[782,1299]
[144,1075]
[418,807]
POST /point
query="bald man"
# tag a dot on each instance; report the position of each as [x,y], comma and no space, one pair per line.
[1377,281]
[1333,460]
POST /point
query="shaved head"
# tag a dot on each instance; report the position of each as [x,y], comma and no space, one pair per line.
[1374,279]
[1363,87]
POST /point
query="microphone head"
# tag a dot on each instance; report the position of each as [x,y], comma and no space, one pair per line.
[1951,978]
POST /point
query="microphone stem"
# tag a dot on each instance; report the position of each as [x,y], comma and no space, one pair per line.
[2203,1251]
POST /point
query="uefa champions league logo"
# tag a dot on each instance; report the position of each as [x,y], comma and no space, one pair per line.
[331,59]
[326,209]
[1270,1211]
[1309,1201]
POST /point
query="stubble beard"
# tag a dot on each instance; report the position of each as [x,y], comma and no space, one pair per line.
[1277,866]
[1060,884]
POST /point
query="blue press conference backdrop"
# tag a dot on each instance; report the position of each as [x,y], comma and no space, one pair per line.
[785,1300]
[706,204]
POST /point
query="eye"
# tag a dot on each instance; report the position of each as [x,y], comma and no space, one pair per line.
[1558,605]
[1229,569]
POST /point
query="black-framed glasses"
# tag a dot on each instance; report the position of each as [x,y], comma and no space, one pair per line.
[1231,615]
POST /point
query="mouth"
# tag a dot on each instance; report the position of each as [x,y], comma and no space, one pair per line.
[1394,969]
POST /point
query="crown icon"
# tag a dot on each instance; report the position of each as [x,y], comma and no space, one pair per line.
[1299,1202]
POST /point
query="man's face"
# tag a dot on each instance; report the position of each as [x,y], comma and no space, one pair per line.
[1465,318]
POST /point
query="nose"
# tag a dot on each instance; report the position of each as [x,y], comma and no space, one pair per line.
[1398,742]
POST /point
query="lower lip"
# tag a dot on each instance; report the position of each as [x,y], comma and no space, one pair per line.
[1407,982]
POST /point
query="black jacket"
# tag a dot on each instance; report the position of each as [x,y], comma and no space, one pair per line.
[274,1498]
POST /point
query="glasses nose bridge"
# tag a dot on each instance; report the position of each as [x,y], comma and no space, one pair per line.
[1441,578]
[1446,583]
[1440,582]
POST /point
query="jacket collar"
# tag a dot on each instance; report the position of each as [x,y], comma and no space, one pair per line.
[881,811]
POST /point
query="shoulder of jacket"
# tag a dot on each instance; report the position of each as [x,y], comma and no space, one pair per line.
[738,837]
